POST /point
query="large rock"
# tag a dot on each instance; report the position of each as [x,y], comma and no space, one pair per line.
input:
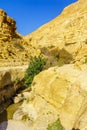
[57,91]
[66,89]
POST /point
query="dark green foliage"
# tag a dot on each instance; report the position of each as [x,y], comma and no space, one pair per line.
[55,125]
[36,65]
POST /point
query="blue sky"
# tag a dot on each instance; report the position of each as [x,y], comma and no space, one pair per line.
[31,14]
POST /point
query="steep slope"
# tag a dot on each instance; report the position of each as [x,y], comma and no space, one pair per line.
[65,34]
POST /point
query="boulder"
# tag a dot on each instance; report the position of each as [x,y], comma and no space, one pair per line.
[60,91]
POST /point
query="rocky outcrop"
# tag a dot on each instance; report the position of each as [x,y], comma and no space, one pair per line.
[57,92]
[14,50]
[7,27]
[10,82]
[16,53]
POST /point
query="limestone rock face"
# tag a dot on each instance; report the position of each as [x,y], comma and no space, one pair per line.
[14,50]
[66,89]
[57,92]
[7,27]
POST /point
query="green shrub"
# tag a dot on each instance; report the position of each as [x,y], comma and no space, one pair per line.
[36,65]
[55,125]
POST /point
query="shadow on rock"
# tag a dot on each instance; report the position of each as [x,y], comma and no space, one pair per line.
[3,120]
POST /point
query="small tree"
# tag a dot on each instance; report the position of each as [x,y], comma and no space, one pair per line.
[36,65]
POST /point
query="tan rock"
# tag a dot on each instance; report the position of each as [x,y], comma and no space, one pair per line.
[39,113]
[2,17]
[2,12]
[13,49]
[59,91]
[6,20]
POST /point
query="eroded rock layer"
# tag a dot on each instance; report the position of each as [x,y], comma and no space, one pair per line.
[7,27]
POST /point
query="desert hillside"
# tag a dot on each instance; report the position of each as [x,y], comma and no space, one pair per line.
[65,36]
[58,96]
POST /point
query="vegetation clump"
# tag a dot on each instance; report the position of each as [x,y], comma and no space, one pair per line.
[36,65]
[55,125]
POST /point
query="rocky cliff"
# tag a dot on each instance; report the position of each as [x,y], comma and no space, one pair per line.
[7,27]
[13,49]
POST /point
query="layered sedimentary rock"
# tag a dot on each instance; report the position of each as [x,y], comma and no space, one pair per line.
[7,27]
[14,50]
